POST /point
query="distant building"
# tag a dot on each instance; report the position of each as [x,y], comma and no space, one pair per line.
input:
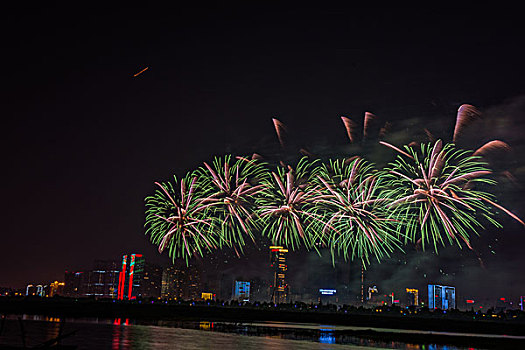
[181,282]
[151,281]
[38,290]
[138,279]
[74,284]
[56,288]
[412,297]
[522,302]
[327,296]
[241,291]
[208,296]
[172,280]
[441,297]
[102,281]
[279,289]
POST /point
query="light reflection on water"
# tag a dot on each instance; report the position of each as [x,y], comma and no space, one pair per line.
[94,333]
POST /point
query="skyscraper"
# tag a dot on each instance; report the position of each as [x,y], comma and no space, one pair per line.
[241,291]
[138,279]
[102,281]
[172,279]
[412,297]
[441,297]
[279,288]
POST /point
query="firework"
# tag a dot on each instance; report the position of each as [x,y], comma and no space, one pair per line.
[139,73]
[176,221]
[230,189]
[280,130]
[285,202]
[429,189]
[371,128]
[352,216]
[466,115]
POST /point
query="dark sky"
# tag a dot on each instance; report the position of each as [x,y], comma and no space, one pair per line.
[83,140]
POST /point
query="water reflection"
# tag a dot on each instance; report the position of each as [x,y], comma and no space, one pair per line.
[327,336]
[120,333]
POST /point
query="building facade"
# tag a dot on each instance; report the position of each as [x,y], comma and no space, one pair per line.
[241,291]
[279,289]
[441,297]
[138,279]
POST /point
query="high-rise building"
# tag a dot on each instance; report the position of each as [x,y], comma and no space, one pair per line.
[279,288]
[412,296]
[241,291]
[56,288]
[102,281]
[130,277]
[441,297]
[172,279]
[138,279]
[151,281]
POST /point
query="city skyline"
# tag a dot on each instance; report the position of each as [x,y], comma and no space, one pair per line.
[88,137]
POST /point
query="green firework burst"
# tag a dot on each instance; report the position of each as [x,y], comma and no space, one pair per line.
[351,211]
[177,221]
[435,189]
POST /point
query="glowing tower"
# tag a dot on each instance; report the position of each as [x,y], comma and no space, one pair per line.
[279,288]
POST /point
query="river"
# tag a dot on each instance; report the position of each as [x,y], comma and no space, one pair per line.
[93,333]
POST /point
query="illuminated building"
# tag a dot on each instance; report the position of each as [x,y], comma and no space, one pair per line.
[207,296]
[172,280]
[56,288]
[181,282]
[241,291]
[102,281]
[138,279]
[413,297]
[279,288]
[30,290]
[441,297]
[38,290]
[130,277]
[522,302]
[328,296]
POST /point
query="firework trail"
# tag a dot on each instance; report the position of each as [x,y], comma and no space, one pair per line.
[285,203]
[139,73]
[368,122]
[230,189]
[350,127]
[280,129]
[352,218]
[175,220]
[466,115]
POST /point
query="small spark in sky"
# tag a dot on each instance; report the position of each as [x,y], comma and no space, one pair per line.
[142,71]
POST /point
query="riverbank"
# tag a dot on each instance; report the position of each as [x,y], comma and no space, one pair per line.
[390,318]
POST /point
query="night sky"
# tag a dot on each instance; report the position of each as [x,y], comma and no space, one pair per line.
[83,140]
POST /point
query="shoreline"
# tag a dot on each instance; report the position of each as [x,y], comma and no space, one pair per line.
[189,311]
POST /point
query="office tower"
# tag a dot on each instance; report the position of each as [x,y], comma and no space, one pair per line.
[241,291]
[151,281]
[138,279]
[412,296]
[102,281]
[441,297]
[279,288]
[130,277]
